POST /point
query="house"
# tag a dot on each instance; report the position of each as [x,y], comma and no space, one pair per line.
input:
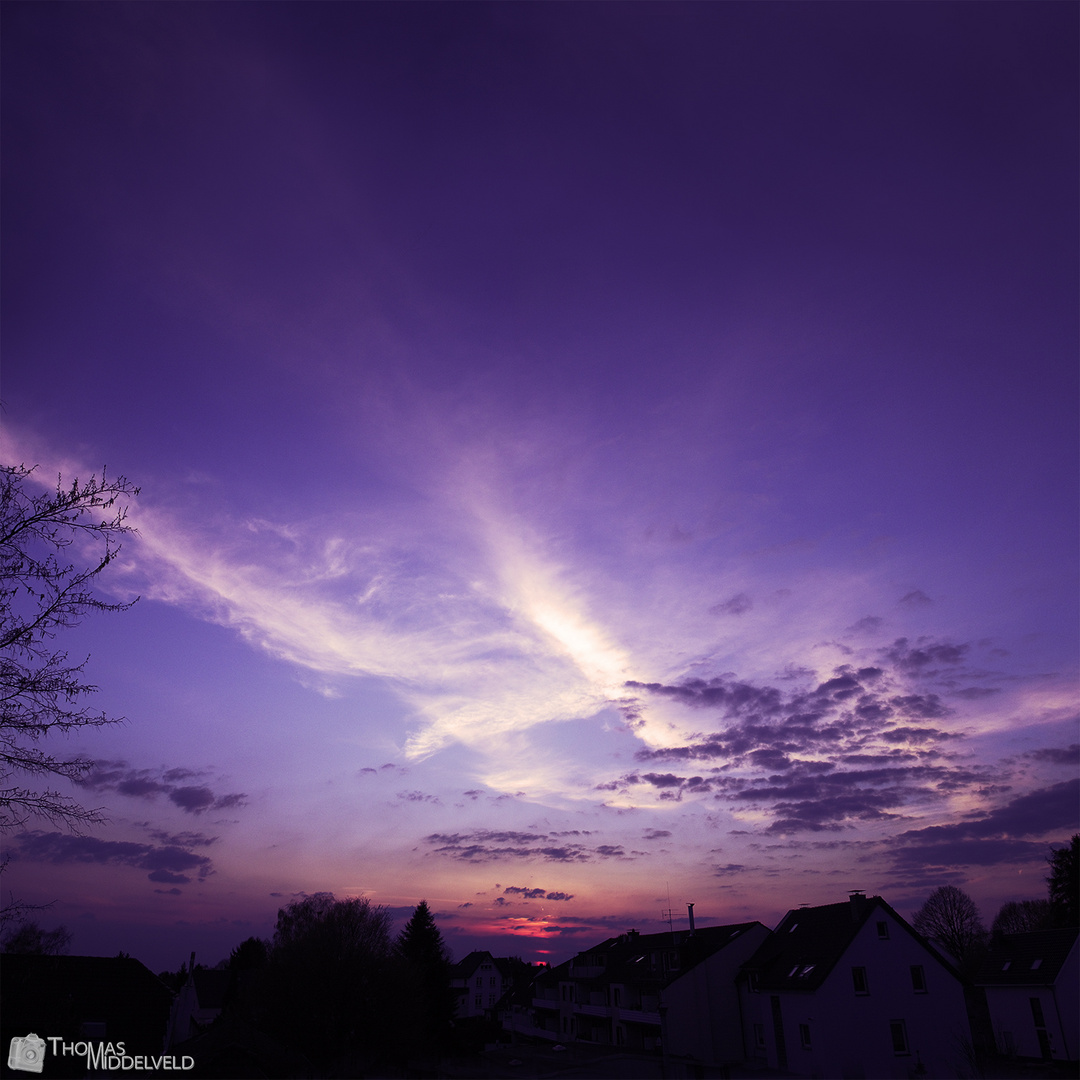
[672,992]
[851,990]
[1032,987]
[81,1000]
[478,983]
[199,1002]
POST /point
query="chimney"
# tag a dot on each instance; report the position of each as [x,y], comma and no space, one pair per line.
[631,934]
[857,898]
[690,911]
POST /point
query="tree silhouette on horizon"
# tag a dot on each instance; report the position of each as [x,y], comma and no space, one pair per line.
[420,945]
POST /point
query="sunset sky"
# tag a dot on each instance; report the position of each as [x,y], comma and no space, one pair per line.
[593,457]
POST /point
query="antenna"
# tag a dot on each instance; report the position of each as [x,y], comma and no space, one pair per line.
[668,913]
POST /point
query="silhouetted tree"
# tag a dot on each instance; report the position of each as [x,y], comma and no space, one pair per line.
[250,955]
[1022,917]
[427,960]
[42,592]
[29,939]
[951,918]
[1064,883]
[329,988]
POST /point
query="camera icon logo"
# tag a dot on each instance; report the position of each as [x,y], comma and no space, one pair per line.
[27,1054]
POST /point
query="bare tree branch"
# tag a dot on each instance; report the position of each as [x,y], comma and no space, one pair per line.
[43,591]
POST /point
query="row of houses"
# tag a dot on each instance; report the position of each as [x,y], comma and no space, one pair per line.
[839,990]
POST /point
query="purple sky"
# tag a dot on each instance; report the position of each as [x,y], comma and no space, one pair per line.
[591,455]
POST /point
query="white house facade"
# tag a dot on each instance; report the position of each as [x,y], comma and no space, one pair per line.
[850,990]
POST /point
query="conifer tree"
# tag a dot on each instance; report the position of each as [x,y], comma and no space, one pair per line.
[420,945]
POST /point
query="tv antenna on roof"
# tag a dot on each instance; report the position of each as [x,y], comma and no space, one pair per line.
[669,913]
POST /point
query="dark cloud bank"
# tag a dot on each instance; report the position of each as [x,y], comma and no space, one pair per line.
[870,744]
[120,777]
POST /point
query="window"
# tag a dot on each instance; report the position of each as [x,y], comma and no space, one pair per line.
[617,993]
[1006,965]
[752,983]
[479,980]
[898,1032]
[491,999]
[478,1001]
[1037,1012]
[804,1036]
[918,979]
[883,931]
[1036,964]
[794,927]
[492,980]
[858,979]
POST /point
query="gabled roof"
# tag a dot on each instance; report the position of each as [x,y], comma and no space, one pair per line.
[629,958]
[97,979]
[1032,959]
[465,967]
[53,995]
[809,942]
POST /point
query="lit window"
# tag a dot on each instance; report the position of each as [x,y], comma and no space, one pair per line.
[898,1032]
[883,931]
[918,979]
[858,979]
[804,1036]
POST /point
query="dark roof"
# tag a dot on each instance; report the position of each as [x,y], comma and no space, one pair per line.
[808,943]
[635,958]
[1033,959]
[54,995]
[464,968]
